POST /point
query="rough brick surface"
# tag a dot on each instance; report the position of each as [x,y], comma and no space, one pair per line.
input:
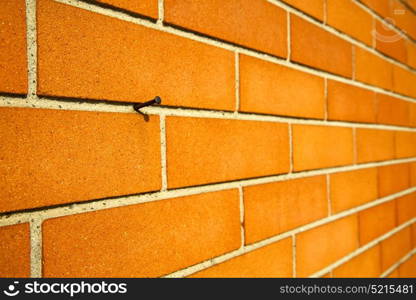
[206,149]
[390,42]
[55,156]
[143,7]
[255,24]
[143,240]
[374,145]
[393,179]
[392,111]
[395,247]
[381,7]
[273,208]
[403,81]
[406,208]
[314,8]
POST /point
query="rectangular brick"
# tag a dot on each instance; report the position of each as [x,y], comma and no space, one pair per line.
[374,145]
[413,174]
[372,69]
[15,251]
[348,17]
[217,150]
[329,52]
[321,246]
[142,7]
[404,20]
[376,221]
[13,58]
[390,42]
[153,63]
[366,264]
[381,7]
[414,235]
[411,3]
[393,179]
[353,188]
[51,157]
[316,147]
[392,111]
[405,144]
[411,53]
[259,93]
[274,208]
[404,81]
[406,208]
[408,268]
[274,260]
[144,240]
[254,24]
[314,8]
[350,103]
[395,247]
[412,117]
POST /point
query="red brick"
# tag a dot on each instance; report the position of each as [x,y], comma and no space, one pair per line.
[376,221]
[350,18]
[395,247]
[322,246]
[374,145]
[142,7]
[51,157]
[153,63]
[408,268]
[324,50]
[406,20]
[404,81]
[217,150]
[390,42]
[405,144]
[144,240]
[366,264]
[372,69]
[254,24]
[381,7]
[353,188]
[317,147]
[259,93]
[314,8]
[15,251]
[393,179]
[277,207]
[274,260]
[406,208]
[411,53]
[350,103]
[392,111]
[13,70]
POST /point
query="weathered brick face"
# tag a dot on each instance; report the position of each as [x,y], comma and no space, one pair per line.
[284,146]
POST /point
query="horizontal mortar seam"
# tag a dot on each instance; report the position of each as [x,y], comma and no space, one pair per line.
[398,263]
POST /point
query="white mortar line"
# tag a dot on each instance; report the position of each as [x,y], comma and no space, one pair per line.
[397,264]
[237,82]
[163,153]
[241,198]
[36,247]
[231,47]
[184,112]
[328,194]
[362,249]
[31,47]
[294,256]
[161,11]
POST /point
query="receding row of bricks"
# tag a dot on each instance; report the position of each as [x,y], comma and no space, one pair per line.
[51,157]
[157,238]
[82,54]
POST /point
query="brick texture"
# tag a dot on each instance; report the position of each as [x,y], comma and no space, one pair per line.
[408,268]
[405,144]
[390,42]
[146,7]
[403,81]
[374,145]
[314,8]
[393,179]
[406,208]
[392,111]
[395,247]
[15,251]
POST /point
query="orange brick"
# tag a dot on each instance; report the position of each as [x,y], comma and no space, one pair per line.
[414,235]
[366,264]
[350,189]
[382,7]
[374,145]
[348,17]
[15,251]
[255,24]
[317,147]
[404,81]
[408,268]
[324,50]
[404,20]
[395,247]
[142,7]
[201,151]
[321,246]
[393,179]
[314,8]
[372,69]
[405,144]
[13,70]
[274,260]
[259,93]
[411,3]
[411,53]
[350,103]
[376,221]
[412,117]
[394,274]
[413,174]
[144,240]
[54,156]
[390,42]
[277,207]
[406,208]
[392,111]
[153,63]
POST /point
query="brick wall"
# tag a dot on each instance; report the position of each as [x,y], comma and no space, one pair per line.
[285,144]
